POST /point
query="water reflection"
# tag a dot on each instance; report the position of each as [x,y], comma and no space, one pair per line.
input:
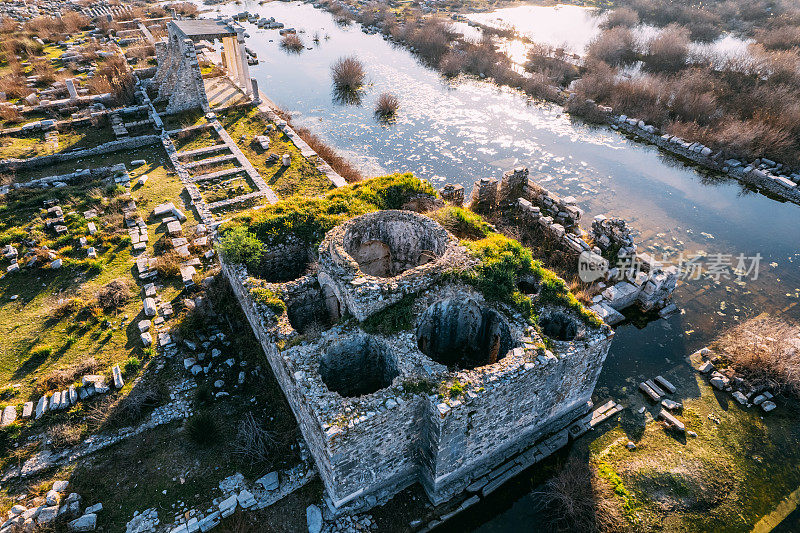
[462,130]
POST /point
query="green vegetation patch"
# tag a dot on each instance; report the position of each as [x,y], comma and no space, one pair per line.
[503,262]
[308,219]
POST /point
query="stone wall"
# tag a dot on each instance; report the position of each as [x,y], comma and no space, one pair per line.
[370,446]
[178,77]
[107,148]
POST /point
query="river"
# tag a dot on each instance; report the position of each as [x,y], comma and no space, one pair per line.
[462,130]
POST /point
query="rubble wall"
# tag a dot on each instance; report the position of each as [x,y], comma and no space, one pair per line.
[512,414]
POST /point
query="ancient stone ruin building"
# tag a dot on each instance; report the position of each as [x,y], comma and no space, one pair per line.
[178,77]
[462,395]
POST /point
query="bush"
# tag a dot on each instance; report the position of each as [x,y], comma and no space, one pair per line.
[242,247]
[431,40]
[254,445]
[168,264]
[292,42]
[765,351]
[268,298]
[64,377]
[453,63]
[387,105]
[114,295]
[202,428]
[329,155]
[348,73]
[64,434]
[131,366]
[114,76]
[667,52]
[614,46]
[623,16]
[578,499]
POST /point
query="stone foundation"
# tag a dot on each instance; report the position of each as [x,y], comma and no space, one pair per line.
[461,399]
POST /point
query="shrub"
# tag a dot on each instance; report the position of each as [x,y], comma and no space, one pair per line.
[114,76]
[10,114]
[292,42]
[187,9]
[586,109]
[268,298]
[242,247]
[329,155]
[131,366]
[254,445]
[577,498]
[667,52]
[387,105]
[64,434]
[348,73]
[431,40]
[766,351]
[59,379]
[42,351]
[623,16]
[114,295]
[130,409]
[67,307]
[168,264]
[202,428]
[614,46]
[453,63]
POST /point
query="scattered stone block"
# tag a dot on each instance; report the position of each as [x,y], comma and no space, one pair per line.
[27,410]
[9,416]
[739,397]
[269,482]
[670,404]
[314,519]
[665,384]
[149,307]
[87,522]
[706,367]
[117,374]
[671,421]
[768,406]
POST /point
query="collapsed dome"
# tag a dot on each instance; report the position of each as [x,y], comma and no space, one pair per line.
[463,334]
[358,365]
[560,326]
[387,243]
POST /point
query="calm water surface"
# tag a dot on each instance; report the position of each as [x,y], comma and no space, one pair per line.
[464,130]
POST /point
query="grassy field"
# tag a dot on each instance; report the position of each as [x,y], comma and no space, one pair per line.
[25,145]
[38,342]
[301,177]
[739,467]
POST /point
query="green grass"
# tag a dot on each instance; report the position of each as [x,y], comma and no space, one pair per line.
[36,342]
[727,478]
[25,145]
[199,139]
[300,178]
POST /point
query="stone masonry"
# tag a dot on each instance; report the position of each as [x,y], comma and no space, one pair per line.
[460,401]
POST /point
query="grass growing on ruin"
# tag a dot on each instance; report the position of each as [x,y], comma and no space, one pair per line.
[503,262]
[301,177]
[43,335]
[308,219]
[25,145]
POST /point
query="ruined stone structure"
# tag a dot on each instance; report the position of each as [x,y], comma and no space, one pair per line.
[463,396]
[178,76]
[628,278]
